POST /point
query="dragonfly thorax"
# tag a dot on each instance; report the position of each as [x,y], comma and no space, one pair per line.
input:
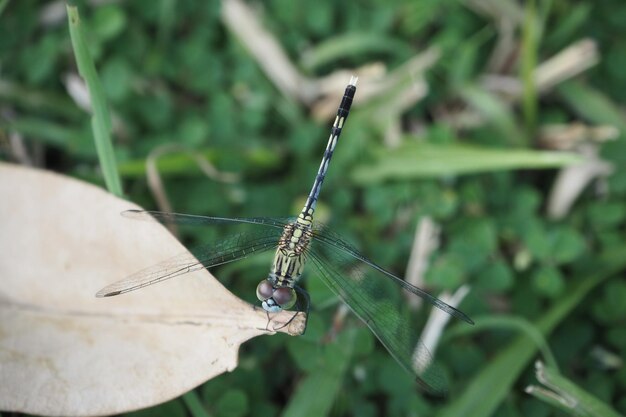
[295,239]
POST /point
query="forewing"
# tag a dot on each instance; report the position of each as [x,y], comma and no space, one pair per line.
[328,238]
[194,220]
[376,301]
[231,249]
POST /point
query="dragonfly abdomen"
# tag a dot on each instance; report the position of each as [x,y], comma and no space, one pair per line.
[340,119]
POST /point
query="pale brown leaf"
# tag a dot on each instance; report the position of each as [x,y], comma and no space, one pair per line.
[65,352]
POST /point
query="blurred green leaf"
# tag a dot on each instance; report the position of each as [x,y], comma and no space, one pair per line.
[610,307]
[320,293]
[172,408]
[364,342]
[40,59]
[156,110]
[353,44]
[536,239]
[495,276]
[3,5]
[446,272]
[474,240]
[606,215]
[108,21]
[567,245]
[416,15]
[570,24]
[116,79]
[465,62]
[591,104]
[548,281]
[193,131]
[617,337]
[233,402]
[422,160]
[614,60]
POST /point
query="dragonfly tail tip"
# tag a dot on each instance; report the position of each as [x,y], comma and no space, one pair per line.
[353,80]
[102,294]
[130,213]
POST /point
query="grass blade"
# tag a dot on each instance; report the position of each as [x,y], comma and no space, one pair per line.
[495,110]
[100,120]
[563,394]
[528,64]
[194,405]
[592,104]
[353,44]
[509,323]
[422,160]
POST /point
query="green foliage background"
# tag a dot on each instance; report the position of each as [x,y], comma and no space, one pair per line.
[172,73]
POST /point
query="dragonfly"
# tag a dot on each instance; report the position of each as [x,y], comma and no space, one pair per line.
[366,288]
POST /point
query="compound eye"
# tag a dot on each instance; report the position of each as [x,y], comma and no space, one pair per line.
[285,297]
[264,290]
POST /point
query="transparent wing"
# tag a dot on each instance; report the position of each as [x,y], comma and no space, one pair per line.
[193,220]
[376,301]
[236,247]
[327,237]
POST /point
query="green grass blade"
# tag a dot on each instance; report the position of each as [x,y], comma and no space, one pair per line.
[194,405]
[3,5]
[567,396]
[353,44]
[180,163]
[528,64]
[495,111]
[101,120]
[316,394]
[493,384]
[36,101]
[423,160]
[511,323]
[45,131]
[591,104]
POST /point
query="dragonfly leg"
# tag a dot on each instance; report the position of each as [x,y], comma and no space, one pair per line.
[303,296]
[269,319]
[274,328]
[303,305]
[267,324]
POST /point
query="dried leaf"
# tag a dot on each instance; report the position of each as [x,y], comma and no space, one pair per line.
[65,352]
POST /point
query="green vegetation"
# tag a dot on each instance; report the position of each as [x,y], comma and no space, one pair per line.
[473,139]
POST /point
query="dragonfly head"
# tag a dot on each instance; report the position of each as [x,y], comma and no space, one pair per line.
[275,299]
